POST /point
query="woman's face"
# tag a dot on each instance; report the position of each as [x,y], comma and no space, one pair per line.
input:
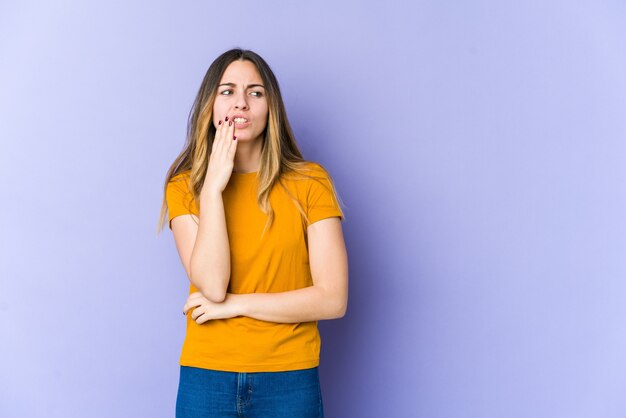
[241,94]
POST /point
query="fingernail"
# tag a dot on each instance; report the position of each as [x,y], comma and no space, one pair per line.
[226,119]
[220,122]
[234,137]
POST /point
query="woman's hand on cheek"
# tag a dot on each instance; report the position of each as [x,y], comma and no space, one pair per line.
[221,158]
[204,310]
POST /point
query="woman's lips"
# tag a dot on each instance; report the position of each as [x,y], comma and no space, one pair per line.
[242,125]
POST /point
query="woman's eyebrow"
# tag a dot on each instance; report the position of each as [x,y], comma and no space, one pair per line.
[249,85]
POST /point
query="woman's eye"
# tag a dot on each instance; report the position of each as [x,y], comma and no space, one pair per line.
[230,92]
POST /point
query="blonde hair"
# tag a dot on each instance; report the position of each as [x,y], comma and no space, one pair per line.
[279,154]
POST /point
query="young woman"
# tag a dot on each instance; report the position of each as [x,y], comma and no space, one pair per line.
[258,231]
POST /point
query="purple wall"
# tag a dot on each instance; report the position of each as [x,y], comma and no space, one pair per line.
[479,149]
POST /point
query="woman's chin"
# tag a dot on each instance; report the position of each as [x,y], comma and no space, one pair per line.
[246,138]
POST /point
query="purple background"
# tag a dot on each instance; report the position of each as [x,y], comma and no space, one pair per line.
[479,150]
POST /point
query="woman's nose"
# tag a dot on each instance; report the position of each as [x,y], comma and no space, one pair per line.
[241,102]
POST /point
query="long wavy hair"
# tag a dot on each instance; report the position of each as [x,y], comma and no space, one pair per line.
[279,155]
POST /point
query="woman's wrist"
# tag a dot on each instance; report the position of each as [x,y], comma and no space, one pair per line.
[210,193]
[236,305]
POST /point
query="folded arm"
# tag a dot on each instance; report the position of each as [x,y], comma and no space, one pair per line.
[326,299]
[204,248]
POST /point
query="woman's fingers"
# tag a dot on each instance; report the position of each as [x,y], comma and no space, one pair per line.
[196,313]
[218,129]
[200,314]
[221,160]
[228,134]
[194,300]
[219,134]
[223,137]
[227,146]
[232,145]
[233,148]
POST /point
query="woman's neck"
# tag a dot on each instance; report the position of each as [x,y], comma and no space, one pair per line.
[248,156]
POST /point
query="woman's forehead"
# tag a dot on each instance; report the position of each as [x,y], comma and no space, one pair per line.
[241,72]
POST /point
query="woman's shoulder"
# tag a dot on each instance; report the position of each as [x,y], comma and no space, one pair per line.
[179,183]
[307,169]
[181,176]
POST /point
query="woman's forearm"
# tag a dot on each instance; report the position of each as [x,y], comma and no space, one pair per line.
[210,258]
[302,305]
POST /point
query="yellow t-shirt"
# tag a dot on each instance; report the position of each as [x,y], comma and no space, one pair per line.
[276,263]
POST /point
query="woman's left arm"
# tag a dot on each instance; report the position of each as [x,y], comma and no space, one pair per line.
[326,299]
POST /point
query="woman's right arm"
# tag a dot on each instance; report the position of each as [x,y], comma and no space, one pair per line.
[209,262]
[209,268]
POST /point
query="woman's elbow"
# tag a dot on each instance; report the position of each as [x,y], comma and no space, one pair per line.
[340,309]
[214,295]
[336,303]
[214,291]
[216,298]
[210,292]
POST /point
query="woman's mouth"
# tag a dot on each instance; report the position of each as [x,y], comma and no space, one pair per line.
[241,122]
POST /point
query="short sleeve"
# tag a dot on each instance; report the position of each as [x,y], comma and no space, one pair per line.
[179,198]
[322,201]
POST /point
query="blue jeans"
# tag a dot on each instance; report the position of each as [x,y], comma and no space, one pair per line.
[204,393]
